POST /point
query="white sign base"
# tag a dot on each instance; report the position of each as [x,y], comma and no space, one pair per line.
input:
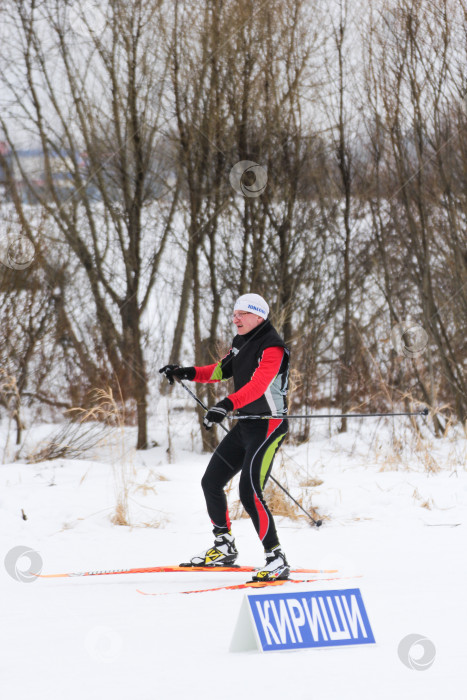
[245,636]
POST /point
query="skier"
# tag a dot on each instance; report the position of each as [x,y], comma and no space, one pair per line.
[258,361]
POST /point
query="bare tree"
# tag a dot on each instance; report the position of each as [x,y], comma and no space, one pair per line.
[339,103]
[95,105]
[416,132]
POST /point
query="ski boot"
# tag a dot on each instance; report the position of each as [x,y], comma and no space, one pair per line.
[276,568]
[223,553]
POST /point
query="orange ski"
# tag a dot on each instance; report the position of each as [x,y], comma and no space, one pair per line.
[251,584]
[173,569]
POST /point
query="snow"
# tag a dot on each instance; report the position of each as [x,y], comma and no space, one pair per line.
[396,530]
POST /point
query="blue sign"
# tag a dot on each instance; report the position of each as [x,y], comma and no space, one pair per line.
[310,619]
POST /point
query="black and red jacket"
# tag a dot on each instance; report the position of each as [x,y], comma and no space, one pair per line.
[259,364]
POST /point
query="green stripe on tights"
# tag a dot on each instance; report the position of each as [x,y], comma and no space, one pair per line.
[267,459]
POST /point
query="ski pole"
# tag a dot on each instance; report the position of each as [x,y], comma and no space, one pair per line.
[424,412]
[318,523]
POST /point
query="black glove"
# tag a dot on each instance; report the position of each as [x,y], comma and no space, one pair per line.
[217,413]
[177,372]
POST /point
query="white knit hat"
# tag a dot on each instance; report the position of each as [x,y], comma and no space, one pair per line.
[252,303]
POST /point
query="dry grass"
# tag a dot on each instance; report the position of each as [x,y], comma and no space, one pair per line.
[427,503]
[393,458]
[156,522]
[280,504]
[423,448]
[120,516]
[85,430]
[149,484]
[416,450]
[72,441]
[108,411]
[91,428]
[409,449]
[311,482]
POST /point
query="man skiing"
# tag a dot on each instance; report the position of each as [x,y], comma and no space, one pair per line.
[258,362]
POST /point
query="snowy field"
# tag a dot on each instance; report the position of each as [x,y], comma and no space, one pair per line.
[396,530]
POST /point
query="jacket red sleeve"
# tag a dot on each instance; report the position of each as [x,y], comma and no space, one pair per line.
[217,372]
[207,374]
[263,377]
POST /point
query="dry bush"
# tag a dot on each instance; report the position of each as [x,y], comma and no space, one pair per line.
[85,430]
[71,441]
